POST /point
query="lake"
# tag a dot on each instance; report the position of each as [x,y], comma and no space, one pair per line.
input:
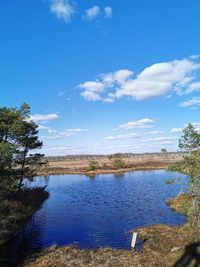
[98,211]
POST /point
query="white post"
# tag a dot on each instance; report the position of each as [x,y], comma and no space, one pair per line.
[134,238]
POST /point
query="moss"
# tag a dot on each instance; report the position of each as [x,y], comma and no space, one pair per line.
[181,203]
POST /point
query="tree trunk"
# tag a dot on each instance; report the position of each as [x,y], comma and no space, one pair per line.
[22,169]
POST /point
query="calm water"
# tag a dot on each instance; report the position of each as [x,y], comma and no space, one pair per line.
[95,212]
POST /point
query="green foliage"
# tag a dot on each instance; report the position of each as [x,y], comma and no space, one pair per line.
[169,181]
[181,203]
[190,165]
[118,163]
[93,165]
[18,136]
[163,150]
[190,140]
[7,151]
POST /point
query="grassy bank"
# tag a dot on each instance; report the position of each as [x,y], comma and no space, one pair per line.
[15,209]
[163,246]
[56,171]
[102,164]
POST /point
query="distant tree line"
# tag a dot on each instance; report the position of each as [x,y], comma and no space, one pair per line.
[120,155]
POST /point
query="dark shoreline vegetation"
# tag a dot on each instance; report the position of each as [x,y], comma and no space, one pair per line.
[18,137]
[15,210]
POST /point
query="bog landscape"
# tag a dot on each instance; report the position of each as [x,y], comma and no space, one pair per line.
[99,133]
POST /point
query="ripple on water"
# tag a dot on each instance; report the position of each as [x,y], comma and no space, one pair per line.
[98,212]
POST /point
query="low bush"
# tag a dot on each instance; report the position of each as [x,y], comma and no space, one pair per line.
[93,165]
[118,163]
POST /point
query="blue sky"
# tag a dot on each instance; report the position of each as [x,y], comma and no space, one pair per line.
[103,76]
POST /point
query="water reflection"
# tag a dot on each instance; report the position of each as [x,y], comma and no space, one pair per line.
[119,175]
[29,239]
[91,176]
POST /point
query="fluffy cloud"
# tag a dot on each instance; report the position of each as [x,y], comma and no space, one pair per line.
[176,130]
[65,134]
[143,123]
[92,90]
[49,129]
[61,150]
[123,136]
[195,101]
[180,130]
[108,11]
[65,147]
[44,117]
[155,80]
[193,87]
[62,9]
[162,139]
[91,13]
[65,9]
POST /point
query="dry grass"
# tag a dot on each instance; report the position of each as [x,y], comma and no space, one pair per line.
[163,246]
[81,164]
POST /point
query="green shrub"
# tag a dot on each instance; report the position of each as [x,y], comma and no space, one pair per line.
[118,163]
[93,165]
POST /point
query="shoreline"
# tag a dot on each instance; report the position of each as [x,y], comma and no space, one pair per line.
[101,164]
[15,211]
[63,171]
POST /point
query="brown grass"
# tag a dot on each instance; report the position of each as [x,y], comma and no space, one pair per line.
[81,165]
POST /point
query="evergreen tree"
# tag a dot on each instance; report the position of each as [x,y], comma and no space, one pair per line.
[18,137]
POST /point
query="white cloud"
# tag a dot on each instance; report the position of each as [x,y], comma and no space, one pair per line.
[91,13]
[64,147]
[59,150]
[49,129]
[165,143]
[195,101]
[123,136]
[143,123]
[63,9]
[108,12]
[180,130]
[162,138]
[65,134]
[92,90]
[44,117]
[155,132]
[193,87]
[156,80]
[176,130]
